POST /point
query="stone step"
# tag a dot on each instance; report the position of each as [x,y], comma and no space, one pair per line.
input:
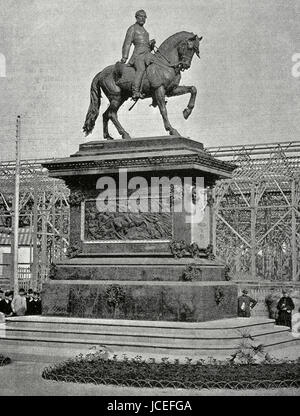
[203,329]
[140,329]
[31,336]
[189,339]
[137,348]
[116,341]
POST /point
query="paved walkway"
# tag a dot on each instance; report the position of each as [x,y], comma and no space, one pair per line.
[24,379]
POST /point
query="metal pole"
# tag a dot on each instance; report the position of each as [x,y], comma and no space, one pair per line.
[35,259]
[294,231]
[43,252]
[16,207]
[214,210]
[253,232]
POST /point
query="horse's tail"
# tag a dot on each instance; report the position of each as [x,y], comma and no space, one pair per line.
[93,110]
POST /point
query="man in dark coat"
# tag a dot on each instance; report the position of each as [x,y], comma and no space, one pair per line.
[245,304]
[285,307]
[5,304]
[30,302]
[37,304]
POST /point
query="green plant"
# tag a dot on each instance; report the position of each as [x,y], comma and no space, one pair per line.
[247,353]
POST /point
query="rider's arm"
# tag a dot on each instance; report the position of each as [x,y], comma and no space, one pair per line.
[127,43]
[152,44]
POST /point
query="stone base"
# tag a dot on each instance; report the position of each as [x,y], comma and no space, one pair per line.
[147,300]
[124,266]
[138,268]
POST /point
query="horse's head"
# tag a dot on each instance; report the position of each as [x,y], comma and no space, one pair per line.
[186,50]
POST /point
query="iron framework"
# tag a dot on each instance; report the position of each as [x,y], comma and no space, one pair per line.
[44,215]
[256,213]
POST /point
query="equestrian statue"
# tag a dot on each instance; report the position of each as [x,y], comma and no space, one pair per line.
[146,75]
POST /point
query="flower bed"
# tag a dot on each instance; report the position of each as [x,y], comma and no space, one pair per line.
[95,368]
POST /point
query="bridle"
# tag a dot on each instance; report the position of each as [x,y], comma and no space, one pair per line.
[179,66]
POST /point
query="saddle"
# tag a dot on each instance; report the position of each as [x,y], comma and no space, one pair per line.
[123,74]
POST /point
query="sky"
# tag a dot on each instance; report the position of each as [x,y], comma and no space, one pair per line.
[53,49]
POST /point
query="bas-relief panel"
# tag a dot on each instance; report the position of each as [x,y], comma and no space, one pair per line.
[123,226]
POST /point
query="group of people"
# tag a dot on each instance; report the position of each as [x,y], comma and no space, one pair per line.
[21,303]
[284,307]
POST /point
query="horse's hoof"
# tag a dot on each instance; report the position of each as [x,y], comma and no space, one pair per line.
[108,138]
[126,136]
[174,133]
[186,113]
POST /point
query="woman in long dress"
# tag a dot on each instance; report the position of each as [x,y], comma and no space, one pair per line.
[285,307]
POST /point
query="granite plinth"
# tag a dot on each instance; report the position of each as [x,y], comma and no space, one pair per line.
[162,301]
[145,154]
[128,253]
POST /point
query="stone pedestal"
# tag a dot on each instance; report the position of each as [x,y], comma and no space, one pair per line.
[141,233]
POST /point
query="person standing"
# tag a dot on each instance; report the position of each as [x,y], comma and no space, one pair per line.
[245,304]
[37,304]
[30,303]
[285,307]
[5,304]
[18,303]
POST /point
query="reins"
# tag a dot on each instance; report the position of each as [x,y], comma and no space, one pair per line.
[155,62]
[159,52]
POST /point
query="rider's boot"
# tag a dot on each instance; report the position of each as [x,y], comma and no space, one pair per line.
[136,89]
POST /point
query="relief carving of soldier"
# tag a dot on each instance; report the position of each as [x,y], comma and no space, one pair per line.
[138,36]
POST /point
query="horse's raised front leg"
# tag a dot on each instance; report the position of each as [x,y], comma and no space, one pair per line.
[160,98]
[113,108]
[181,90]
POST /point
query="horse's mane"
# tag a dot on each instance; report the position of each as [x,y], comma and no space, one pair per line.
[173,40]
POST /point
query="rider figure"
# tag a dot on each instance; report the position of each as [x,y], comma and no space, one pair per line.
[139,37]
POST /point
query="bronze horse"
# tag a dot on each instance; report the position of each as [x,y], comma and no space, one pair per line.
[161,79]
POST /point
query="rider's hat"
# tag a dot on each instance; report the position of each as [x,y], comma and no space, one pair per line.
[140,12]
